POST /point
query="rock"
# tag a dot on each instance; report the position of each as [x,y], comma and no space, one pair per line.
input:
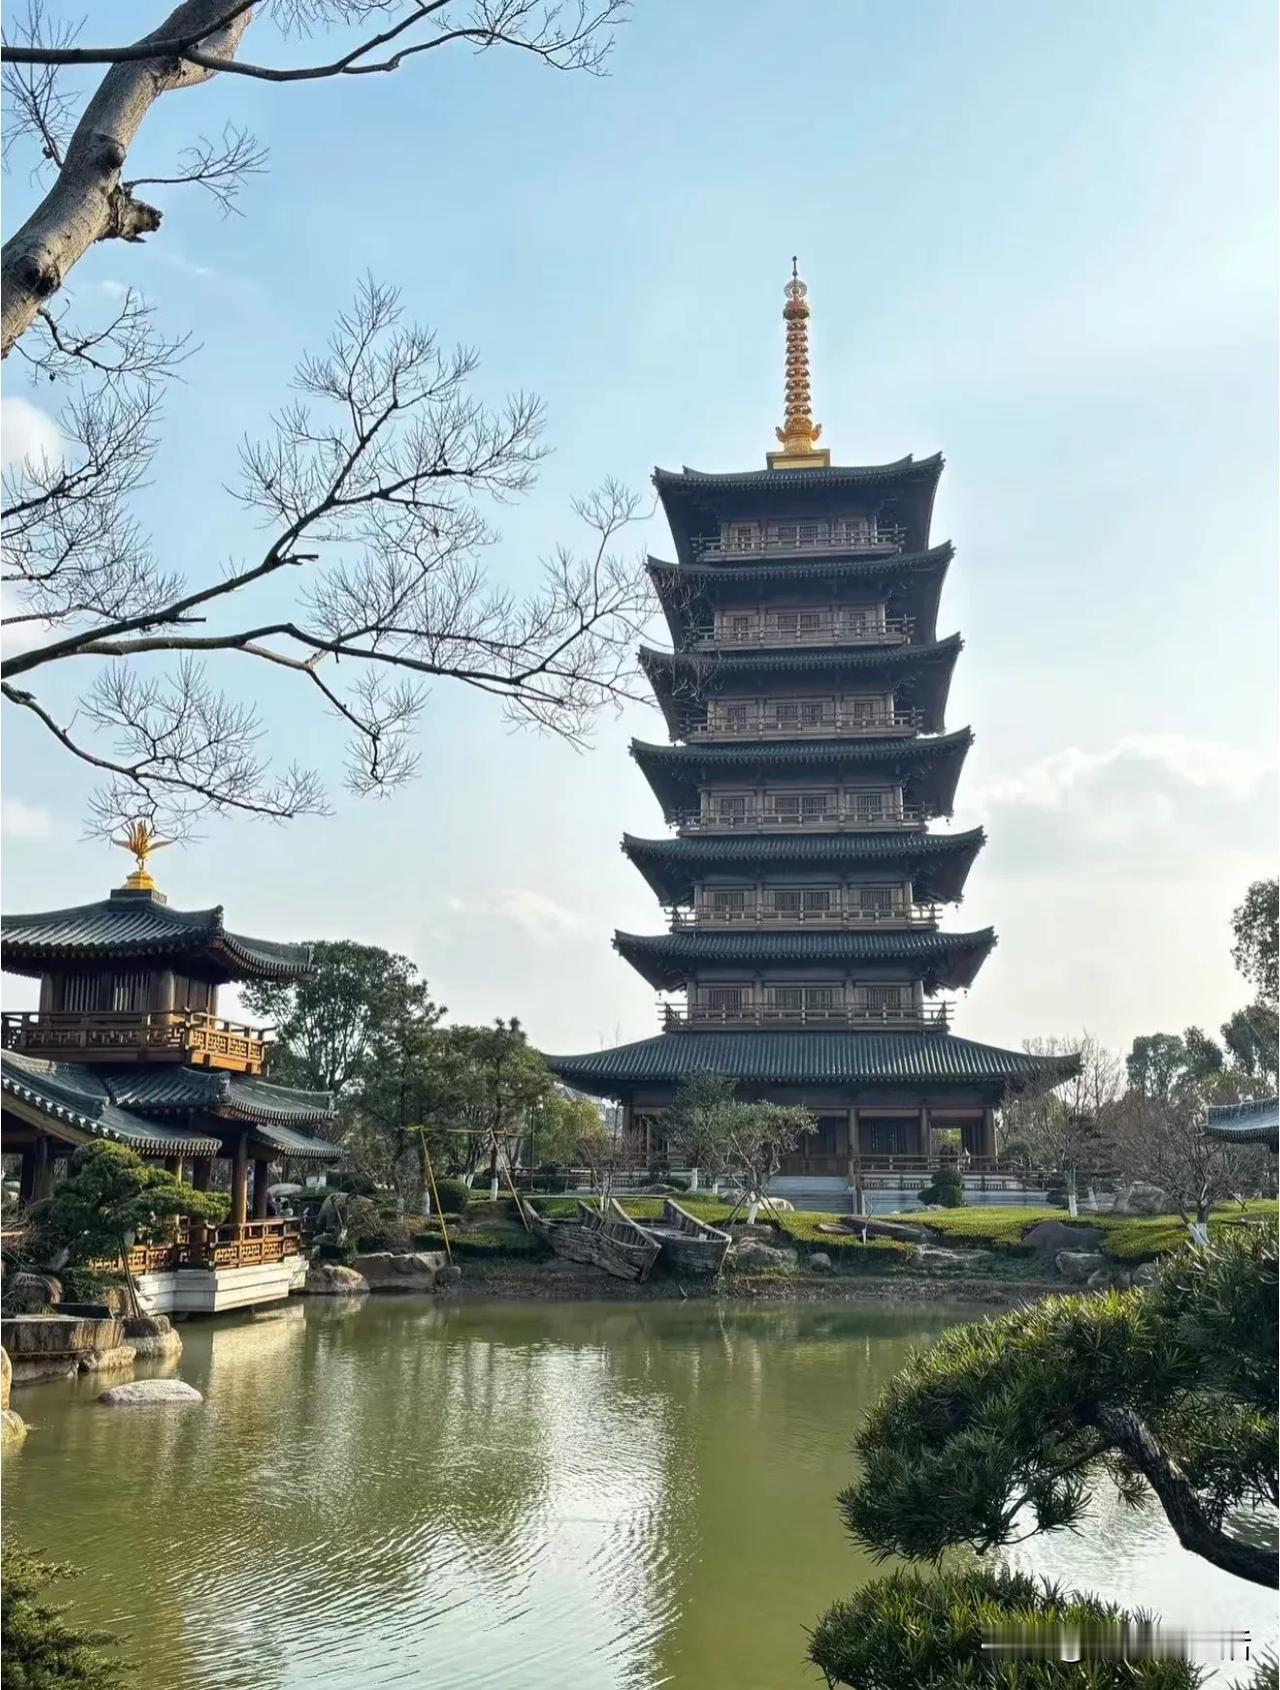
[13,1428]
[145,1391]
[165,1344]
[1077,1265]
[936,1256]
[904,1234]
[6,1378]
[147,1326]
[330,1279]
[1048,1237]
[820,1262]
[387,1270]
[108,1361]
[449,1274]
[754,1255]
[49,1346]
[31,1292]
[1141,1198]
[1144,1275]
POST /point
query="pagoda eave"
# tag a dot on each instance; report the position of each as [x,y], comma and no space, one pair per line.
[942,961]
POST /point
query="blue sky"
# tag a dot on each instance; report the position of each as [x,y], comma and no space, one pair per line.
[1039,238]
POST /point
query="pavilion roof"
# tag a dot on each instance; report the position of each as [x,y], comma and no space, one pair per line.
[911,582]
[940,959]
[930,766]
[142,924]
[233,1097]
[1256,1122]
[69,1095]
[938,863]
[919,674]
[809,1058]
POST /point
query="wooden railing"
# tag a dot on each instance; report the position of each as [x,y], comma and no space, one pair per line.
[837,724]
[831,630]
[679,1018]
[234,1244]
[868,538]
[898,915]
[837,819]
[185,1035]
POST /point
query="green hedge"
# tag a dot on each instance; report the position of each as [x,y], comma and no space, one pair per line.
[487,1244]
[1128,1238]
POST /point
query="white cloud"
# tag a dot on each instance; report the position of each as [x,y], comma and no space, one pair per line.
[1064,777]
[27,432]
[533,913]
[25,821]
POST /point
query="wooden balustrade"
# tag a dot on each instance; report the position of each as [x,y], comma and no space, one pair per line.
[915,1017]
[852,540]
[231,1245]
[899,915]
[889,630]
[838,725]
[185,1035]
[838,819]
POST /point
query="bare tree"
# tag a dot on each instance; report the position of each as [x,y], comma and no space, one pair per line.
[85,142]
[370,486]
[1163,1140]
[1066,1128]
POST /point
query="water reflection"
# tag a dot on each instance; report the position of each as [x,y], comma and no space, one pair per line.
[415,1493]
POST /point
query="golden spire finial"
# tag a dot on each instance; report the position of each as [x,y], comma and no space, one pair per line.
[141,840]
[799,432]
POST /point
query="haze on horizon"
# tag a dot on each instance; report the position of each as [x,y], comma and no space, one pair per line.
[1043,243]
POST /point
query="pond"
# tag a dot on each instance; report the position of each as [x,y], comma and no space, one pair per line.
[472,1494]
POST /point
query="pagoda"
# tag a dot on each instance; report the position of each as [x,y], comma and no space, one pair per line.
[805,697]
[127,1047]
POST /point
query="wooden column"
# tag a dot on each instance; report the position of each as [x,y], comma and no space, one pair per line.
[853,1146]
[240,1182]
[202,1173]
[173,1165]
[926,1125]
[43,1177]
[989,1132]
[261,1169]
[27,1178]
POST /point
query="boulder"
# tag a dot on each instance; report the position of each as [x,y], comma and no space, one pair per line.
[1145,1274]
[13,1428]
[904,1233]
[449,1274]
[1141,1198]
[934,1255]
[142,1392]
[31,1292]
[1048,1237]
[387,1270]
[152,1335]
[6,1378]
[1108,1279]
[108,1361]
[330,1279]
[147,1326]
[763,1256]
[49,1346]
[820,1262]
[1078,1265]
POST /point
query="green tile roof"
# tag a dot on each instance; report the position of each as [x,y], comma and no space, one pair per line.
[942,959]
[683,680]
[1257,1122]
[938,863]
[807,1058]
[930,764]
[240,1097]
[76,1097]
[141,924]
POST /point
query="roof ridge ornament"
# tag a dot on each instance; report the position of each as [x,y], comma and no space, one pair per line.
[799,433]
[141,839]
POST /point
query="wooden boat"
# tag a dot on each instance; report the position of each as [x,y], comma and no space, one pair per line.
[688,1244]
[610,1240]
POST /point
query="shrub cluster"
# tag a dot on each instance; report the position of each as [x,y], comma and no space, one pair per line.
[453,1195]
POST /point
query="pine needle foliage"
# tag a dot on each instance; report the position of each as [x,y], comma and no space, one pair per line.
[1005,1427]
[908,1632]
[40,1648]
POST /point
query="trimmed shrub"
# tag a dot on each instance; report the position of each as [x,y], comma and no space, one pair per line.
[453,1195]
[947,1189]
[482,1245]
[927,1632]
[330,1250]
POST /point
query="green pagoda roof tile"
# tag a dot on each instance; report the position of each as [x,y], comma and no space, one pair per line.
[1256,1122]
[666,960]
[919,674]
[939,863]
[76,1097]
[137,924]
[930,764]
[808,1058]
[240,1097]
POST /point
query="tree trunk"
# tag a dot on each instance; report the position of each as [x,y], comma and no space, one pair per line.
[89,201]
[493,1170]
[1130,1435]
[1073,1206]
[132,1289]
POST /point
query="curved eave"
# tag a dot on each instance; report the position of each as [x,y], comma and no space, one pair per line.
[928,767]
[920,675]
[938,864]
[911,583]
[940,960]
[856,1060]
[684,492]
[59,1095]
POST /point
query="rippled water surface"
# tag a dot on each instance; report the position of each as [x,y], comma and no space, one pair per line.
[531,1494]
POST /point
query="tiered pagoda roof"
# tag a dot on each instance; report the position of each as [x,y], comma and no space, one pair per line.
[929,768]
[938,863]
[80,1098]
[666,960]
[137,924]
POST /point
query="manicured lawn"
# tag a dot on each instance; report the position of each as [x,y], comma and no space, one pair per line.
[1129,1238]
